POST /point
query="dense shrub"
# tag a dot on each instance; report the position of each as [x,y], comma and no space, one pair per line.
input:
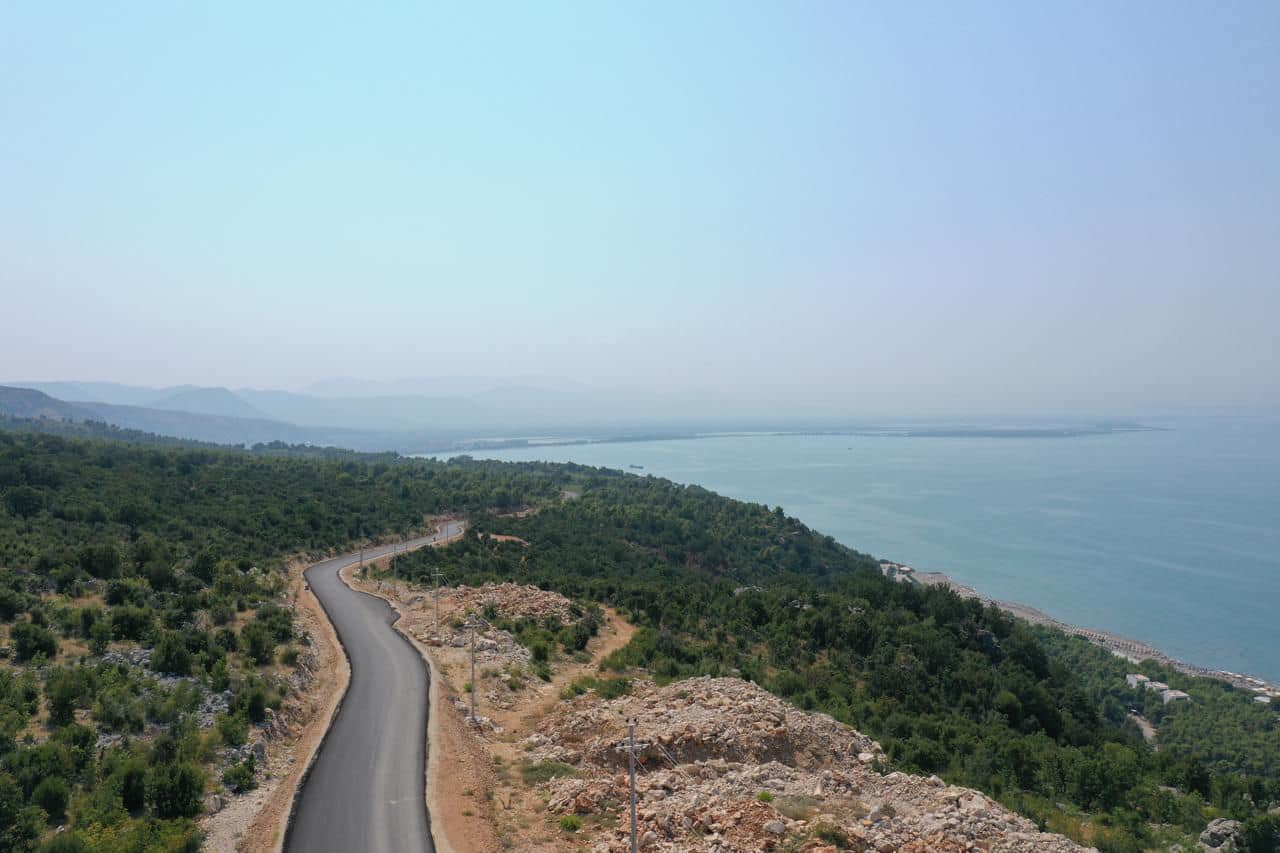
[51,795]
[170,655]
[176,790]
[30,640]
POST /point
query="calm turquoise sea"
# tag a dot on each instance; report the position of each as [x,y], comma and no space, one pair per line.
[1171,537]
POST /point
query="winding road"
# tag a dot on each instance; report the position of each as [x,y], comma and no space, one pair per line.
[366,790]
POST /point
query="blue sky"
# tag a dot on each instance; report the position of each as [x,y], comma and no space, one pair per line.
[947,206]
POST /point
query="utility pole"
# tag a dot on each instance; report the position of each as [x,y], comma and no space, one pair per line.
[631,748]
[474,621]
[631,756]
[437,574]
[473,625]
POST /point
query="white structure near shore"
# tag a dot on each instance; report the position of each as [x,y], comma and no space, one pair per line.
[1167,693]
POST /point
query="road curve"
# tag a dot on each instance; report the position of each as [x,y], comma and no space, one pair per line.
[366,790]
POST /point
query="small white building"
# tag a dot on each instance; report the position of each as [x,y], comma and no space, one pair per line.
[1173,696]
[1134,679]
[1262,700]
[1157,686]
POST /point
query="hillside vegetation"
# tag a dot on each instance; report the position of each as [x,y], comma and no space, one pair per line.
[140,611]
[949,686]
[140,628]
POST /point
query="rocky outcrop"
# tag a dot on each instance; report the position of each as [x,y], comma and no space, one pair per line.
[1222,836]
[729,767]
[513,601]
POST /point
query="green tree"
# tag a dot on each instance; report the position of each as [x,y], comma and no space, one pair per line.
[20,824]
[30,640]
[51,795]
[24,501]
[170,655]
[176,790]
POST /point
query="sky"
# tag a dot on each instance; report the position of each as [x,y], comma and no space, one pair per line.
[925,206]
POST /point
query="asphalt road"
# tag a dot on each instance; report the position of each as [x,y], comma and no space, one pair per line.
[367,788]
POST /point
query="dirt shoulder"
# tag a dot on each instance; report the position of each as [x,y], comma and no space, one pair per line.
[476,796]
[256,822]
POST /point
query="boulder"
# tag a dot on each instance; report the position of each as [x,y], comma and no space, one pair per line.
[1223,836]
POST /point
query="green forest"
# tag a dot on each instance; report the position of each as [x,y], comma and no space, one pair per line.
[141,579]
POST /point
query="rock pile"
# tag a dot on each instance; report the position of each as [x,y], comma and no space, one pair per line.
[503,666]
[698,719]
[512,601]
[729,767]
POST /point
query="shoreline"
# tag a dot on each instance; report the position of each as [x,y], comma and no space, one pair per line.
[1119,645]
[553,440]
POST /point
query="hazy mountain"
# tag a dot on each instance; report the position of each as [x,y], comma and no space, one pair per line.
[434,386]
[222,429]
[378,413]
[31,403]
[207,401]
[101,392]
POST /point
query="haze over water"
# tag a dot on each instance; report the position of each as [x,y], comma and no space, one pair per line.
[1167,537]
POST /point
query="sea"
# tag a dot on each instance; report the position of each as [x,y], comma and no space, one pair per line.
[1171,537]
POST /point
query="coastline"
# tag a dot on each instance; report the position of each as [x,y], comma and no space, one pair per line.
[1119,645]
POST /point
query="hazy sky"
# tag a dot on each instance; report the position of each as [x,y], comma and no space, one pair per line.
[951,205]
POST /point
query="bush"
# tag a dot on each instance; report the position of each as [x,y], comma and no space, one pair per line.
[133,785]
[30,640]
[240,777]
[259,643]
[64,843]
[764,797]
[571,823]
[277,621]
[234,729]
[101,560]
[129,622]
[252,701]
[170,655]
[536,774]
[831,834]
[20,825]
[51,795]
[176,790]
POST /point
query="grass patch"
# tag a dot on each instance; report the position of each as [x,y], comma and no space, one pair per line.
[545,771]
[571,823]
[605,688]
[797,808]
[832,834]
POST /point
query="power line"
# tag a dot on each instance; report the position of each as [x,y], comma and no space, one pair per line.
[473,622]
[631,748]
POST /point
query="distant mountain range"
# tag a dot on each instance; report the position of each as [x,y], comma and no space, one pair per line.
[406,424]
[491,415]
[455,407]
